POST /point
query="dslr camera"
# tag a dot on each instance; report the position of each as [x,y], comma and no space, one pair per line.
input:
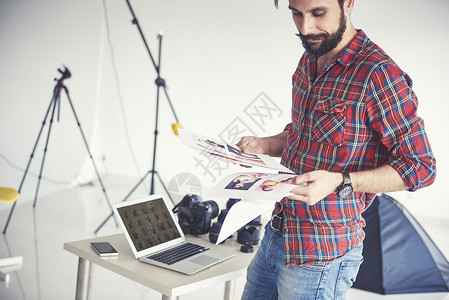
[195,215]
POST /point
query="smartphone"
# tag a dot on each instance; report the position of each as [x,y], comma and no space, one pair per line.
[104,249]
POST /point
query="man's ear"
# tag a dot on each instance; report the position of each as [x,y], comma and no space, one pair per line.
[348,6]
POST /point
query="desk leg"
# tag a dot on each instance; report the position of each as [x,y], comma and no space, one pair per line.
[84,280]
[229,290]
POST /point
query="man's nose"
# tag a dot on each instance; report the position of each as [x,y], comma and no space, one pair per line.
[307,25]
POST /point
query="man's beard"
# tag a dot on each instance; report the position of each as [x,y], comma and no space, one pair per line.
[328,41]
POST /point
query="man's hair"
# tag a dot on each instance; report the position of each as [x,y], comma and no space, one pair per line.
[341,2]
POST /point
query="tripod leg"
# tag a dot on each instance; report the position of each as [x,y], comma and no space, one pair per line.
[9,217]
[124,199]
[165,188]
[55,102]
[88,151]
[55,91]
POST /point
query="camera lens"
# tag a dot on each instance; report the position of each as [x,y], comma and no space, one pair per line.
[250,233]
[231,202]
[213,208]
[214,231]
[249,236]
[222,215]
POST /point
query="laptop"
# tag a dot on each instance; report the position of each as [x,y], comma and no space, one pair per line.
[155,237]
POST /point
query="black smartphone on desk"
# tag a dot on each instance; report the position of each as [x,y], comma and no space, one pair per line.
[104,249]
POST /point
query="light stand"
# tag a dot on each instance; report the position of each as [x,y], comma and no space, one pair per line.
[160,83]
[55,102]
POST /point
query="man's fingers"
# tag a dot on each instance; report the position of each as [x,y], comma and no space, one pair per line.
[243,143]
[301,197]
[247,143]
[301,179]
[301,190]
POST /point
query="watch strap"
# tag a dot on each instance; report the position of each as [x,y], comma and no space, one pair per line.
[346,178]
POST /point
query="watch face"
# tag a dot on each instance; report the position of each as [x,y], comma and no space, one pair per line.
[345,191]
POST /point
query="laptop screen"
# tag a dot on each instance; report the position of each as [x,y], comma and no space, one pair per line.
[148,223]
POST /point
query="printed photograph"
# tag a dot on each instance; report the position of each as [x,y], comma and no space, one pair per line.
[270,185]
[244,182]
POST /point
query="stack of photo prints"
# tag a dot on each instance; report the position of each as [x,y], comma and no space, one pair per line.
[258,190]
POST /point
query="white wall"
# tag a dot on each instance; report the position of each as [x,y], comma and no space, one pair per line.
[217,57]
[37,37]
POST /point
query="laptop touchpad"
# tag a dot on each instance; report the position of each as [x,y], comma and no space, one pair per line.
[204,260]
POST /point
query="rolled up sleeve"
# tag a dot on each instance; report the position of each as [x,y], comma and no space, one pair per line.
[392,109]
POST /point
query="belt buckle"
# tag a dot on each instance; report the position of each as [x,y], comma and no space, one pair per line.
[276,222]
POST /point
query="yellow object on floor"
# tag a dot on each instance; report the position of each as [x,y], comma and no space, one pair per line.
[8,195]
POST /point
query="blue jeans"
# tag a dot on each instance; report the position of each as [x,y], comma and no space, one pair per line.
[269,278]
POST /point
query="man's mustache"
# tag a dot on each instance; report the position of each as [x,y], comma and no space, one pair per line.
[311,36]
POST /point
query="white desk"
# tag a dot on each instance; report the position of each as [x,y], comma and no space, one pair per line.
[169,283]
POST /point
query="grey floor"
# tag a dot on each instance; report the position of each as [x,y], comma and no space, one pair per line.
[49,272]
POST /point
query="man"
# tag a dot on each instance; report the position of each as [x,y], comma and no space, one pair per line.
[354,132]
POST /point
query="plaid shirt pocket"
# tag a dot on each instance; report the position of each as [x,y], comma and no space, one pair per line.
[329,118]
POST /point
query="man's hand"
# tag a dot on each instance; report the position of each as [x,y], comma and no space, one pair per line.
[272,145]
[251,144]
[319,185]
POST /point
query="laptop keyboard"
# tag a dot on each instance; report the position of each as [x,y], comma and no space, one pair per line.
[177,253]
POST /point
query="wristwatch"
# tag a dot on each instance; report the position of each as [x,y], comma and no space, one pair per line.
[345,189]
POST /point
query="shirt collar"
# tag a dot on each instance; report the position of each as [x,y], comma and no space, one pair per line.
[348,55]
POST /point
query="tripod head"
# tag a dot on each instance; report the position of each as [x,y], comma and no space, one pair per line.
[64,74]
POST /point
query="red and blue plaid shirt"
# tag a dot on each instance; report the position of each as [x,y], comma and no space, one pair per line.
[358,114]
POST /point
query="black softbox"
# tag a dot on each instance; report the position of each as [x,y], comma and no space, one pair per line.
[399,256]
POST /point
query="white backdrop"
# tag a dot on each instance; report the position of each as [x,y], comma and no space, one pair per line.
[220,59]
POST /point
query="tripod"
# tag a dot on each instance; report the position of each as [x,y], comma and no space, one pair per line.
[160,83]
[54,103]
